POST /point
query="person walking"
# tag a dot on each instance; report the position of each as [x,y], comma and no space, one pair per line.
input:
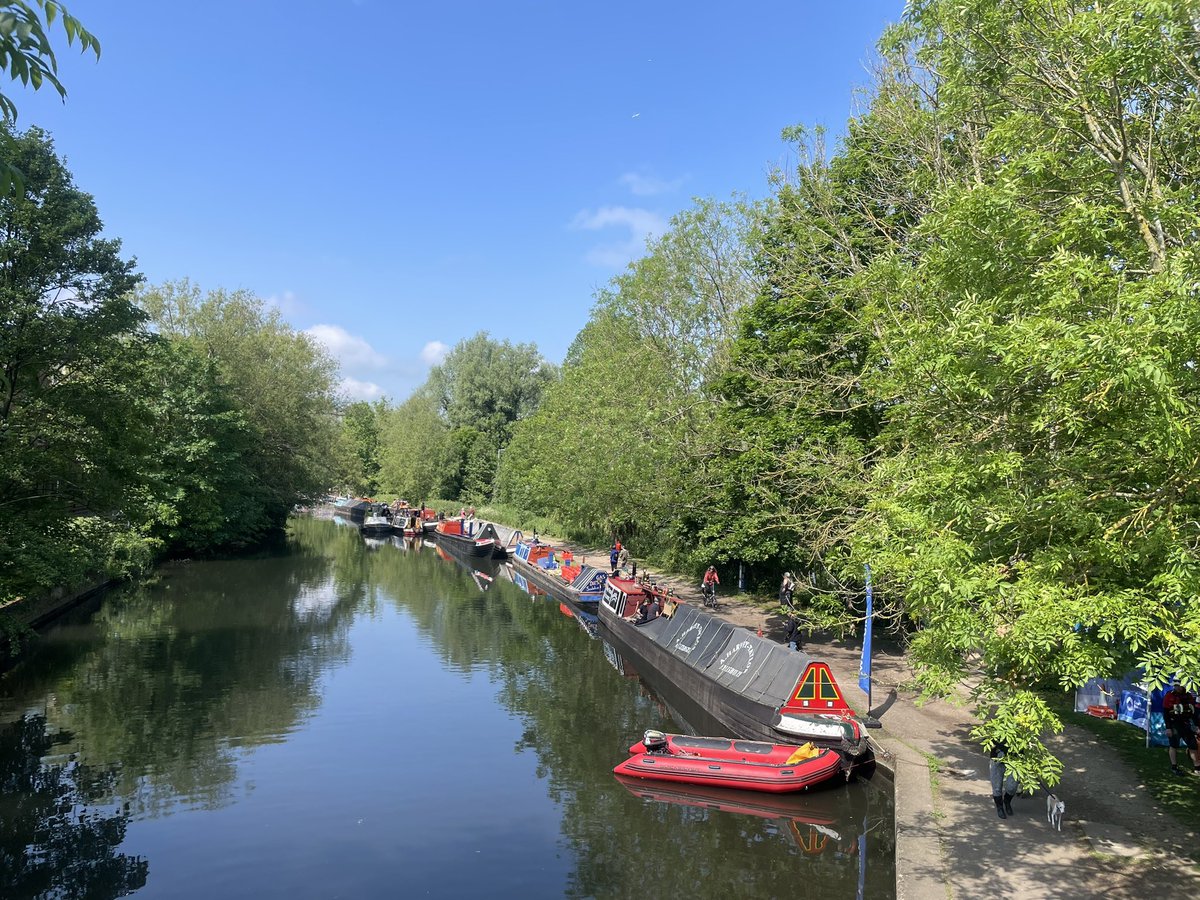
[623,558]
[1004,785]
[786,589]
[613,555]
[1179,716]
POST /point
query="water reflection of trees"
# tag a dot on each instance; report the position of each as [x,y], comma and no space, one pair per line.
[580,715]
[59,833]
[234,665]
[238,660]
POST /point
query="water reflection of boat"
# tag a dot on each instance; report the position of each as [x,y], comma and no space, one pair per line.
[585,618]
[409,544]
[728,763]
[374,543]
[482,571]
[817,821]
[617,661]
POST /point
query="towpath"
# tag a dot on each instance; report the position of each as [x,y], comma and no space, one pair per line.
[1115,841]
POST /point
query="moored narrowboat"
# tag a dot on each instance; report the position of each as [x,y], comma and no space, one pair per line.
[555,572]
[471,537]
[376,520]
[756,689]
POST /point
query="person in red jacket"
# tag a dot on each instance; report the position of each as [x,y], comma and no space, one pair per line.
[1179,715]
[708,587]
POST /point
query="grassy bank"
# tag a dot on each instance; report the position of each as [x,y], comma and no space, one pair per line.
[1178,795]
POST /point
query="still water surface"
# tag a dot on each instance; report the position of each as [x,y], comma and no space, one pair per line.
[345,718]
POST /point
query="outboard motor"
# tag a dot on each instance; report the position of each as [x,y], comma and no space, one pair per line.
[654,741]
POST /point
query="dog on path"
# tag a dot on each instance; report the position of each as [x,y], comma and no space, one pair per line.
[1054,810]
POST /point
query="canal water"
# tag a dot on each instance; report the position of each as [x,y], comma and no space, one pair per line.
[364,718]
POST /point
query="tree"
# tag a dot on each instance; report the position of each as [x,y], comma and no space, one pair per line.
[481,390]
[796,424]
[281,382]
[361,423]
[70,338]
[198,488]
[634,402]
[416,455]
[1036,497]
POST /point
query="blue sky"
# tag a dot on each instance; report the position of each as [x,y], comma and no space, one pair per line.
[396,176]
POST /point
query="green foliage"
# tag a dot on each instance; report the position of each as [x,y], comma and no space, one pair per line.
[199,489]
[1017,723]
[27,56]
[70,341]
[417,457]
[479,392]
[970,359]
[615,447]
[279,381]
[25,49]
[361,424]
[13,635]
[69,552]
[1034,502]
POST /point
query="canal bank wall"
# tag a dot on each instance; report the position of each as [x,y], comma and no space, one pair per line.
[36,612]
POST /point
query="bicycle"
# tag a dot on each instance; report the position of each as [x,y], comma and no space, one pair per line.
[709,593]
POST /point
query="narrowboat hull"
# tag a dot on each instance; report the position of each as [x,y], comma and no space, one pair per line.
[468,545]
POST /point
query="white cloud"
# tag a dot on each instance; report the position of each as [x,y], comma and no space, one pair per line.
[350,350]
[642,224]
[353,389]
[647,185]
[288,304]
[434,352]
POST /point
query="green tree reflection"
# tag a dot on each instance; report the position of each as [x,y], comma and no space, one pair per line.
[57,839]
[235,665]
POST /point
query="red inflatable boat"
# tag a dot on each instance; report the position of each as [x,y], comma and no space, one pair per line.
[722,762]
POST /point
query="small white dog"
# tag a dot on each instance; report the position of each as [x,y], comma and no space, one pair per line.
[1054,810]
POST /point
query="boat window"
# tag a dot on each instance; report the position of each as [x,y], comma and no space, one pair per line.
[752,747]
[702,743]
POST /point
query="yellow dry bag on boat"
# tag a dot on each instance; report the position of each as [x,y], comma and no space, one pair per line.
[803,752]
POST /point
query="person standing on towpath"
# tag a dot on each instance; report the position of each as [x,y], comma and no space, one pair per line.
[1179,716]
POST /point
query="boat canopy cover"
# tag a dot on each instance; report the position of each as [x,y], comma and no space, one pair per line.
[590,580]
[755,667]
